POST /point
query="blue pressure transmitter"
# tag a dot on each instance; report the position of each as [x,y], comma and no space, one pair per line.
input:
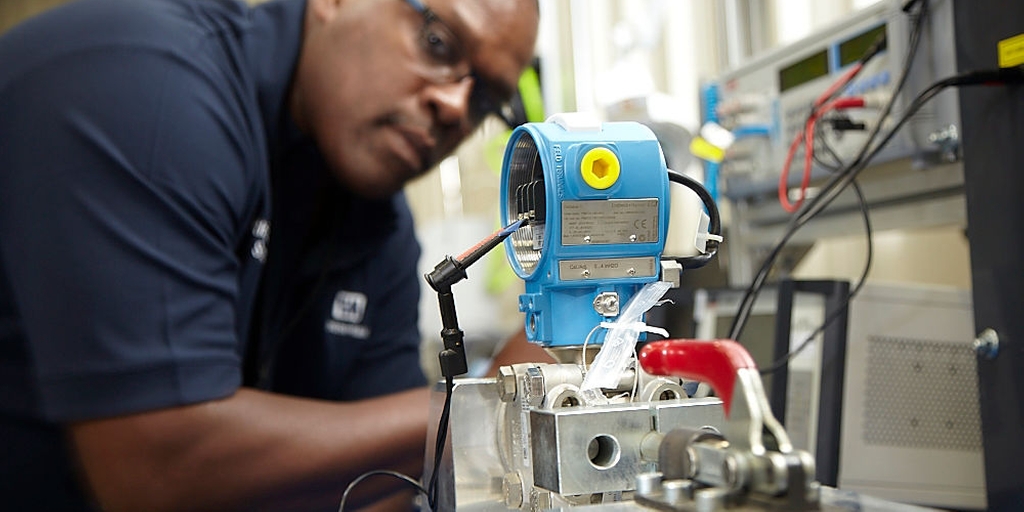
[596,198]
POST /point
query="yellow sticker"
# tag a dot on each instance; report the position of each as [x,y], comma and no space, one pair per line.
[704,150]
[1011,52]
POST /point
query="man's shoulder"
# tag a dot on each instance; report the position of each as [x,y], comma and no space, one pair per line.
[115,29]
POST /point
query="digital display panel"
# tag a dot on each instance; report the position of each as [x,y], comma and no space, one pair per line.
[853,49]
[803,71]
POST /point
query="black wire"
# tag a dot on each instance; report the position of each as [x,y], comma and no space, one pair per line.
[405,478]
[842,306]
[783,361]
[442,434]
[876,47]
[835,186]
[714,223]
[830,188]
[1004,76]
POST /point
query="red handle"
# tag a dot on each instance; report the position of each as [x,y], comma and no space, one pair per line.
[714,362]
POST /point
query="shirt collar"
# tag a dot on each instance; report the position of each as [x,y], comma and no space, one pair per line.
[271,45]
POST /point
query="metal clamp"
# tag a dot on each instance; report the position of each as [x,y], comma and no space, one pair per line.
[754,462]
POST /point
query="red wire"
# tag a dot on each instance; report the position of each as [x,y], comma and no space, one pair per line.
[843,80]
[806,136]
[784,177]
[840,104]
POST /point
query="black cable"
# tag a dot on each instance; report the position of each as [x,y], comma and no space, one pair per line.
[714,223]
[1002,76]
[453,358]
[405,478]
[841,308]
[833,187]
[800,218]
[876,47]
[783,361]
[442,435]
[819,136]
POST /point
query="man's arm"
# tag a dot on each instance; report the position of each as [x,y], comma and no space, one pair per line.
[253,446]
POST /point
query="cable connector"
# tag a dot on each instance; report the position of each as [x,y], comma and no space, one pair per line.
[844,124]
[446,273]
[452,270]
[876,99]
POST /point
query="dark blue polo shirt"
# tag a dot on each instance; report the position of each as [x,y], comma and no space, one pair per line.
[349,328]
[135,137]
[339,305]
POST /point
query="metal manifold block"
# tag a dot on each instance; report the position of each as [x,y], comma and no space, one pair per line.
[527,440]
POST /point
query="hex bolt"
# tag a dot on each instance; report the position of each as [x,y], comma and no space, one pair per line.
[506,384]
[607,304]
[534,390]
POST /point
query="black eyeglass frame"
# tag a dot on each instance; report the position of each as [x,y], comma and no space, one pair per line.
[482,101]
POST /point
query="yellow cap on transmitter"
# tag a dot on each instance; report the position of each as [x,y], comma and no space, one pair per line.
[600,168]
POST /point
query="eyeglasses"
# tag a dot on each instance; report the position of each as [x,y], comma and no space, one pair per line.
[445,61]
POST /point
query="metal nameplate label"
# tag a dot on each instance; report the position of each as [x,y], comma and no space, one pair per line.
[577,270]
[611,221]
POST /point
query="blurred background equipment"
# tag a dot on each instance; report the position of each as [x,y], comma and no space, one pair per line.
[802,111]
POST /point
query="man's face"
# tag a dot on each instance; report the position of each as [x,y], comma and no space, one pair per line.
[389,87]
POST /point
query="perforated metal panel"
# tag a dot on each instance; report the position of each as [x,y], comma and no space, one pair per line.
[921,394]
[911,429]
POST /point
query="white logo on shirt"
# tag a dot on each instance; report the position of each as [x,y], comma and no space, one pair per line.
[346,314]
[261,234]
[349,307]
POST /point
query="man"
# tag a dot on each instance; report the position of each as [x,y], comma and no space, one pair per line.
[138,143]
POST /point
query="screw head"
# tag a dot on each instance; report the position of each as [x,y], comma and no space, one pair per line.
[987,343]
